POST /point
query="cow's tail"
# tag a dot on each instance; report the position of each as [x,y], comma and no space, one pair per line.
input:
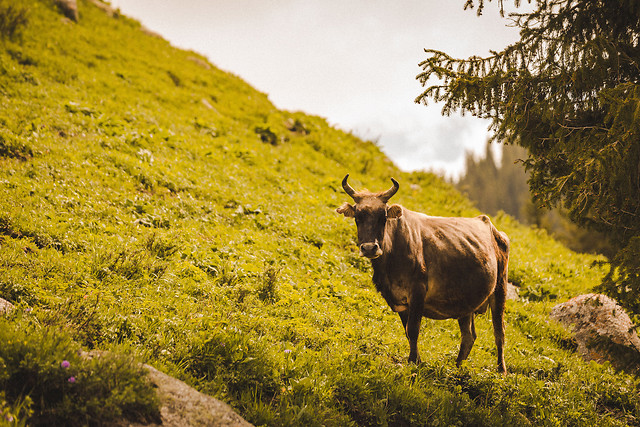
[502,254]
[497,300]
[501,239]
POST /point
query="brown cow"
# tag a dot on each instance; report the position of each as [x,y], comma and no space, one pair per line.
[436,267]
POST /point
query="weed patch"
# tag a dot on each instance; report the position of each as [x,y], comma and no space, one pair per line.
[14,16]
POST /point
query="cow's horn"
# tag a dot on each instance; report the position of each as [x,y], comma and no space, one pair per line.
[390,192]
[347,188]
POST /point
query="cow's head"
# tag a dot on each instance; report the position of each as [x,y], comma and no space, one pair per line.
[371,213]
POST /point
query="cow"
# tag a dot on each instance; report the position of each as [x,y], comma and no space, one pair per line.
[433,267]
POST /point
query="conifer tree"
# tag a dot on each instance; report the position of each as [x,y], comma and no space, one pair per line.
[482,182]
[498,186]
[569,92]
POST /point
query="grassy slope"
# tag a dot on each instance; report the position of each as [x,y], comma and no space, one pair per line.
[139,206]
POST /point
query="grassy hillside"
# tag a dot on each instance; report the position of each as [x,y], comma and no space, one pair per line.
[152,204]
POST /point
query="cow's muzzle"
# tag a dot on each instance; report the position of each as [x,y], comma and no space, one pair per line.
[370,250]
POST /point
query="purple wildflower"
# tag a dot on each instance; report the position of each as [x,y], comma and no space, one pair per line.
[65,364]
[72,379]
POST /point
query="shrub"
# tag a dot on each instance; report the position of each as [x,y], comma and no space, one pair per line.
[46,367]
[13,18]
[11,147]
[15,415]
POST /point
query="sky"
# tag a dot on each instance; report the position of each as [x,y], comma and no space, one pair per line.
[353,62]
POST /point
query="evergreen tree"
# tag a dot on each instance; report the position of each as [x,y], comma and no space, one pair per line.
[496,186]
[569,92]
[514,180]
[479,181]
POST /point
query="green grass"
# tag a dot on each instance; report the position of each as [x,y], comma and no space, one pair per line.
[153,203]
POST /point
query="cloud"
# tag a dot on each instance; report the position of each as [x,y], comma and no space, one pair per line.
[353,62]
[421,139]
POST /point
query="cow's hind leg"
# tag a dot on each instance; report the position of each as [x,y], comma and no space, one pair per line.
[497,303]
[467,338]
[498,300]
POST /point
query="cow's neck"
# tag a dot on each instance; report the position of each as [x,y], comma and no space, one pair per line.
[394,245]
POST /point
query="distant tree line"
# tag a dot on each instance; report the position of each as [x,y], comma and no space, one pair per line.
[496,186]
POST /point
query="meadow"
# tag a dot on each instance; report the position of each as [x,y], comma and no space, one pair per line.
[159,208]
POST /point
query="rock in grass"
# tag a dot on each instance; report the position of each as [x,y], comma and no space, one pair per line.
[602,330]
[5,306]
[69,8]
[182,405]
[513,292]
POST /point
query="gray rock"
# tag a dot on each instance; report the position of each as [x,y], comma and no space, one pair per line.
[182,405]
[513,292]
[602,330]
[105,7]
[69,8]
[5,306]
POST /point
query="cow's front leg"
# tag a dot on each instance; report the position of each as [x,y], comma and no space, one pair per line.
[404,316]
[411,321]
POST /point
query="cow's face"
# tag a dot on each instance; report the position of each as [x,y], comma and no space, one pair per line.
[371,213]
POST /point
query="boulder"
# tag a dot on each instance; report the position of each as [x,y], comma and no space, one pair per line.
[105,7]
[199,61]
[5,306]
[602,330]
[69,8]
[513,292]
[182,405]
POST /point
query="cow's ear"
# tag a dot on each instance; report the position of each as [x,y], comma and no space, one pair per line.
[347,210]
[394,211]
